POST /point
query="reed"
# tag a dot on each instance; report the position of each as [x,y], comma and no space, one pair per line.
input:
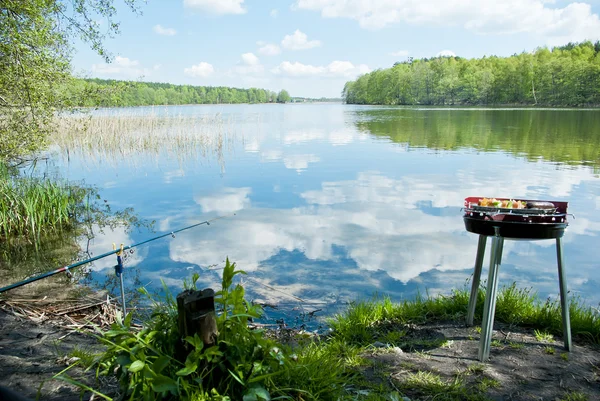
[120,135]
[31,207]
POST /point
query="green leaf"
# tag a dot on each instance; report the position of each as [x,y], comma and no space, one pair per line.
[160,363]
[257,393]
[189,369]
[236,377]
[163,383]
[127,322]
[195,341]
[136,366]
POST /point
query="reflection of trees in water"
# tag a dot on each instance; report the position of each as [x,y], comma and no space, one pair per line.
[566,136]
[112,137]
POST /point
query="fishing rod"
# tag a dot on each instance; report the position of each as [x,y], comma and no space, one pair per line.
[114,251]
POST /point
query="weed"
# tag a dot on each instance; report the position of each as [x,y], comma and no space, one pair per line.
[543,336]
[515,345]
[565,356]
[575,396]
[432,386]
[476,368]
[486,383]
[496,343]
[549,350]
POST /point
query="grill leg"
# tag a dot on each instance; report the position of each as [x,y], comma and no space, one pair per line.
[564,302]
[489,308]
[476,279]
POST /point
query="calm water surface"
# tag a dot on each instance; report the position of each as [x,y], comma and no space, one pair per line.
[335,202]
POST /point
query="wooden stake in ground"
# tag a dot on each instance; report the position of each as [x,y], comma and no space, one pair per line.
[196,315]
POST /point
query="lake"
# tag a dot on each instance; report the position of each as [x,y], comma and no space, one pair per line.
[336,202]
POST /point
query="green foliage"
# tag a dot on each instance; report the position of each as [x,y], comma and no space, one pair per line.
[111,93]
[35,37]
[283,96]
[562,76]
[243,365]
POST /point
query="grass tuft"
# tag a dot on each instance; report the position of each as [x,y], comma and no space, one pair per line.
[368,321]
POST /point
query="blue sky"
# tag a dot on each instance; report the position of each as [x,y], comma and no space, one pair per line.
[312,47]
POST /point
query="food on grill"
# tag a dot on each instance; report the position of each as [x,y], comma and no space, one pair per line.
[540,205]
[507,204]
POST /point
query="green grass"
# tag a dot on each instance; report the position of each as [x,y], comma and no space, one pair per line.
[575,396]
[427,385]
[31,207]
[368,321]
[543,336]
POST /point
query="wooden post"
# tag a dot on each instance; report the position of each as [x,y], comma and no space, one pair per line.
[196,315]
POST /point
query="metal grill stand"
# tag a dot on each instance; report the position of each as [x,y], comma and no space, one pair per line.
[489,308]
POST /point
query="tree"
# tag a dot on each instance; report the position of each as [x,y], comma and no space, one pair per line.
[283,96]
[35,48]
[563,76]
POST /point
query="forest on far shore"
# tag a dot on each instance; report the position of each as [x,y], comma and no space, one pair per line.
[562,76]
[114,93]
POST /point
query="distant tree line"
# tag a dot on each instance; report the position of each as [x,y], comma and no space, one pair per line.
[111,93]
[562,76]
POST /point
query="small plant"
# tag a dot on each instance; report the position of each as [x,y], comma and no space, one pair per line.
[565,356]
[476,368]
[428,385]
[486,383]
[575,396]
[549,350]
[496,343]
[543,336]
[515,345]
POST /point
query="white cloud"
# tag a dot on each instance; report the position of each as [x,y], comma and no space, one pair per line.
[446,53]
[249,65]
[400,53]
[274,13]
[121,66]
[268,49]
[226,200]
[164,31]
[573,22]
[299,162]
[299,41]
[201,70]
[250,59]
[218,7]
[334,69]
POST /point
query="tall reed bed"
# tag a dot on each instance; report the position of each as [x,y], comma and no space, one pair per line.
[30,207]
[120,134]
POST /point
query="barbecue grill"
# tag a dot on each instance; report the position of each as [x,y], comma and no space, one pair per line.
[547,221]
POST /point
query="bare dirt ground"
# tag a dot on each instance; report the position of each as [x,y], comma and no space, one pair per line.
[37,345]
[521,366]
